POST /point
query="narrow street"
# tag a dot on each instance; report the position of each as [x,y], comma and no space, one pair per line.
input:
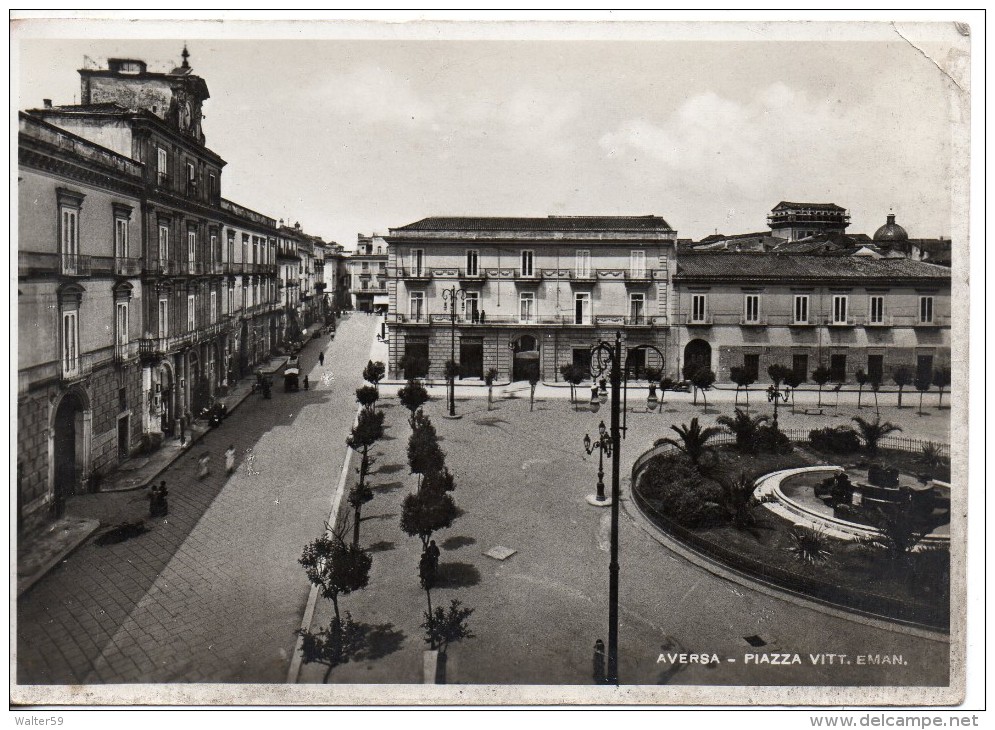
[213,592]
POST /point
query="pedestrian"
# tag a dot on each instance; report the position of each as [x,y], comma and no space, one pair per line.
[204,462]
[183,431]
[230,459]
[433,553]
[154,501]
[307,384]
[481,316]
[163,504]
[321,359]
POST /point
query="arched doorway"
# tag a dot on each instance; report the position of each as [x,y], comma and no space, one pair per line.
[526,357]
[164,398]
[697,354]
[69,445]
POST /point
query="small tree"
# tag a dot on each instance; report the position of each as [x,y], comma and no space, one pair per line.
[702,379]
[367,431]
[743,378]
[424,454]
[738,500]
[923,381]
[693,439]
[872,433]
[367,396]
[413,396]
[439,481]
[443,627]
[489,377]
[425,512]
[338,643]
[793,379]
[533,382]
[902,376]
[665,385]
[573,374]
[941,379]
[744,428]
[374,372]
[861,378]
[334,568]
[820,376]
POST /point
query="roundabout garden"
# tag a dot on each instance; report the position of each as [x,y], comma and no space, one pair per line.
[837,517]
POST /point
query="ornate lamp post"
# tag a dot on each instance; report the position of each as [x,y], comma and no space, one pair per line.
[450,298]
[774,395]
[603,446]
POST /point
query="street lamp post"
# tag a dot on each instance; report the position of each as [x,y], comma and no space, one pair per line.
[603,446]
[607,356]
[774,394]
[450,297]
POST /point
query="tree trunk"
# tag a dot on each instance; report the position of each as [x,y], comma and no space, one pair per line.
[819,405]
[428,594]
[490,390]
[939,405]
[335,604]
[532,397]
[900,388]
[747,400]
[736,401]
[355,527]
[921,394]
[860,394]
[704,400]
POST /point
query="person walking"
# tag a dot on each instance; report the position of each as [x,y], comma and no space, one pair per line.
[230,459]
[321,358]
[204,463]
[307,383]
[433,553]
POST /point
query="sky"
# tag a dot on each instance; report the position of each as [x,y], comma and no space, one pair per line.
[358,136]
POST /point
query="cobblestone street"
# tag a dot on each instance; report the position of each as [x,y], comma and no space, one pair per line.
[212,592]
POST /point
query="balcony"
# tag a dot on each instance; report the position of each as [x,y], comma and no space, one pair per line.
[935,322]
[511,274]
[640,277]
[72,264]
[414,273]
[690,321]
[161,267]
[754,322]
[158,347]
[162,180]
[75,369]
[560,320]
[125,351]
[214,267]
[190,268]
[841,323]
[127,267]
[801,323]
[884,321]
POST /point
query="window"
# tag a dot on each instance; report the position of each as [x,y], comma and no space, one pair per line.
[526,307]
[751,309]
[162,165]
[191,313]
[231,300]
[926,309]
[527,263]
[212,181]
[365,284]
[471,263]
[801,309]
[122,323]
[366,266]
[70,232]
[121,238]
[191,178]
[839,309]
[637,307]
[191,245]
[473,306]
[163,243]
[255,250]
[214,307]
[416,305]
[417,262]
[70,342]
[637,264]
[215,252]
[582,308]
[876,310]
[583,264]
[698,307]
[163,318]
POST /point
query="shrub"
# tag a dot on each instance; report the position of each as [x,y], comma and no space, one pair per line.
[838,440]
[809,546]
[745,429]
[772,440]
[675,488]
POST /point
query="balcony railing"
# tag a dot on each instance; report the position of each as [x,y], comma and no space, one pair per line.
[562,320]
[127,267]
[848,322]
[161,267]
[125,351]
[191,268]
[159,346]
[414,273]
[753,322]
[73,264]
[76,368]
[883,321]
[214,267]
[704,321]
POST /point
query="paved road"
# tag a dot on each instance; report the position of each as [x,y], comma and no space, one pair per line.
[521,481]
[212,593]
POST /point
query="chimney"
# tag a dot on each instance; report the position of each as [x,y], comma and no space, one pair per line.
[891,219]
[47,103]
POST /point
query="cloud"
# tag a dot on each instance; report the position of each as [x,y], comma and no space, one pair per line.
[720,141]
[374,95]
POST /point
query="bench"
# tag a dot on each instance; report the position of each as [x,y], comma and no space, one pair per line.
[813,411]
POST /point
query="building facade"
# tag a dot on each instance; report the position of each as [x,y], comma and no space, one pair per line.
[368,274]
[537,293]
[842,312]
[792,221]
[80,296]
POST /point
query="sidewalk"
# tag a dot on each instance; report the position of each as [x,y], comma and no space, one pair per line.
[39,552]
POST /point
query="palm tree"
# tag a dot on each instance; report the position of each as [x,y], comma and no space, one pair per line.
[693,439]
[872,433]
[861,378]
[738,500]
[744,427]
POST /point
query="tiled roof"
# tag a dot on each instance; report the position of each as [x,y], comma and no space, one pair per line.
[785,205]
[794,266]
[550,223]
[107,106]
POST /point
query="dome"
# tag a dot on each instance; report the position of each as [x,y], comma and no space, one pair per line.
[891,231]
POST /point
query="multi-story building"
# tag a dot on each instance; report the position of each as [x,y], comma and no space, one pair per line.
[155,119]
[537,292]
[80,294]
[368,274]
[251,297]
[843,312]
[792,221]
[336,277]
